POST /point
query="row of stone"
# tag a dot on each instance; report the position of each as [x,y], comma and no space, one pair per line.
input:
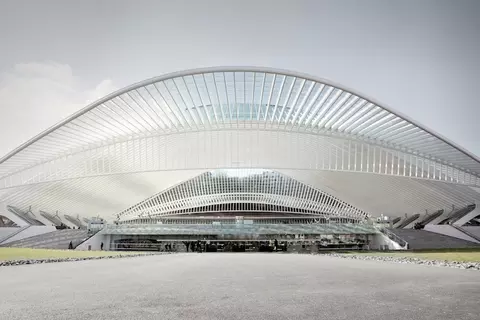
[411,260]
[51,260]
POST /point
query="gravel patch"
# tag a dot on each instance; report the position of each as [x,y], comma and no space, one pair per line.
[410,260]
[9,263]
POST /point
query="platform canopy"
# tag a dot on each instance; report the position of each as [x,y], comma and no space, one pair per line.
[154,135]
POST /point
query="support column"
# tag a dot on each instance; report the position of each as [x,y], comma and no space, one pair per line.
[444,215]
[460,222]
[18,220]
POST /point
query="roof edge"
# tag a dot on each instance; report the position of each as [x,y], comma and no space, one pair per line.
[231,69]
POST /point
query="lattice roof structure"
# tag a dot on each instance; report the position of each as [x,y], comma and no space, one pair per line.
[242,191]
[148,137]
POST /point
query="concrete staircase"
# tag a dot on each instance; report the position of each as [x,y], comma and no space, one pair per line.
[421,239]
[59,239]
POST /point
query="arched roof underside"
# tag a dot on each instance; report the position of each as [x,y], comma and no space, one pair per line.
[186,123]
[244,191]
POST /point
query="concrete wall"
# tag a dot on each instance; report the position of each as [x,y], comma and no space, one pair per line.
[95,242]
[460,222]
[474,230]
[6,231]
[30,232]
[448,230]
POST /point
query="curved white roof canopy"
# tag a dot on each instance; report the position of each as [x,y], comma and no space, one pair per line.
[222,97]
[232,117]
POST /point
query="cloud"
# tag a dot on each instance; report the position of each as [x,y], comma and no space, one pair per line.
[34,96]
[102,89]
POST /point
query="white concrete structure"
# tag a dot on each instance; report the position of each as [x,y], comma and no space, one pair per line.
[122,151]
[450,231]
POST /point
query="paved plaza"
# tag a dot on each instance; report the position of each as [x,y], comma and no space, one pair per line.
[237,286]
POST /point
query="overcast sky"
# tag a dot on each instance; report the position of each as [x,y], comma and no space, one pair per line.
[419,57]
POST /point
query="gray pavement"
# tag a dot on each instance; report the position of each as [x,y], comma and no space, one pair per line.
[237,286]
